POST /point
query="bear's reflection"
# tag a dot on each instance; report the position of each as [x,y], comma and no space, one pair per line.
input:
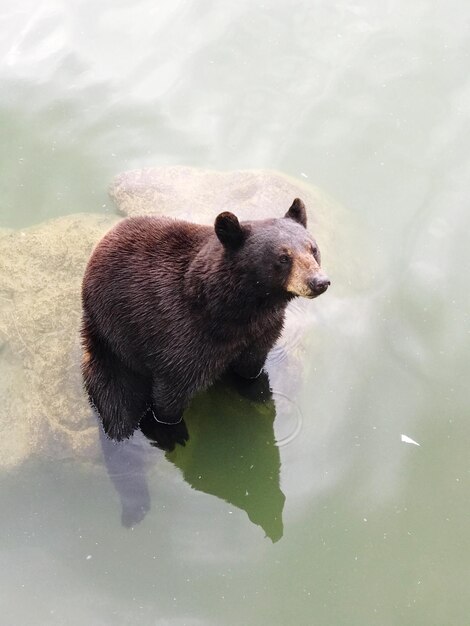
[231,454]
[127,463]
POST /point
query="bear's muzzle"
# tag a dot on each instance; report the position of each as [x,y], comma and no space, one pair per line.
[318,284]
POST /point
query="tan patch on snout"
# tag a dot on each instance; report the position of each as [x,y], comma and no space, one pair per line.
[304,267]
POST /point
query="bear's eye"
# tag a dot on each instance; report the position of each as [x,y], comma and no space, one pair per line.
[284,258]
[314,251]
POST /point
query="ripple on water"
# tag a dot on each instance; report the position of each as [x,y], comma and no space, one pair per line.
[289,420]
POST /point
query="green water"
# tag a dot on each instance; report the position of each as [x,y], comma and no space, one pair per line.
[346,524]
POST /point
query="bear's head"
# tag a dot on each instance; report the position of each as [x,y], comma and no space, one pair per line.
[279,256]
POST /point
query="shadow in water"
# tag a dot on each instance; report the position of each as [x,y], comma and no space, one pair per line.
[231,454]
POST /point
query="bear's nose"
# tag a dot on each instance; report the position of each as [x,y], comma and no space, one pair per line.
[319,284]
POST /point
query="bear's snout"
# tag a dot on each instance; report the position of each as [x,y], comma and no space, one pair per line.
[306,278]
[319,284]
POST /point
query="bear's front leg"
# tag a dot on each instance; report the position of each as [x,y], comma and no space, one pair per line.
[163,422]
[168,401]
[250,363]
[163,436]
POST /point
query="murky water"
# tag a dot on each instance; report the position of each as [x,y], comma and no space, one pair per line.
[343,523]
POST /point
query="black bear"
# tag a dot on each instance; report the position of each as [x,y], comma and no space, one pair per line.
[169,306]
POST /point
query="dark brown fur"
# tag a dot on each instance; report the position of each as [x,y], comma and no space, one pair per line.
[168,306]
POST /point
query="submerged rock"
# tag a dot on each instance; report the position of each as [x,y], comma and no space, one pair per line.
[44,409]
[199,195]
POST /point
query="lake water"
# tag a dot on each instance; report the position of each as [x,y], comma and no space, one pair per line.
[345,524]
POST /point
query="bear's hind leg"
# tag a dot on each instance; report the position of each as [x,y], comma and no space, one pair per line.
[119,395]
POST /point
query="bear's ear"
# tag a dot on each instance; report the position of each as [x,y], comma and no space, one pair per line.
[297,212]
[228,230]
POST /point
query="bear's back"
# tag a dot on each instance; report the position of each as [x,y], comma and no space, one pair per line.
[138,247]
[147,236]
[138,267]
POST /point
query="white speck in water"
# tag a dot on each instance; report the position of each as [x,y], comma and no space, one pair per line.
[88,557]
[365,519]
[303,174]
[407,439]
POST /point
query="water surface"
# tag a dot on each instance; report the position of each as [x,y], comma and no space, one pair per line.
[345,524]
